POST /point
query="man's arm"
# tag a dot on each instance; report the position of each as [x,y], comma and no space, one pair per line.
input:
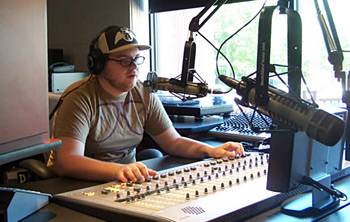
[72,163]
[177,145]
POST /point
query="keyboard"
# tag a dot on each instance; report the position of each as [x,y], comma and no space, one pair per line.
[237,128]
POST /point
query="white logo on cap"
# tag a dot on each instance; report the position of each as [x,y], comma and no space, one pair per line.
[125,34]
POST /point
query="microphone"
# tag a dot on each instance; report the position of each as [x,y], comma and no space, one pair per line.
[197,90]
[300,115]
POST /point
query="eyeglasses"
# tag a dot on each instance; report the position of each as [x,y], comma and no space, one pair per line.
[127,62]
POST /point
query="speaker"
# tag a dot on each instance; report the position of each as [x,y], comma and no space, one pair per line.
[95,58]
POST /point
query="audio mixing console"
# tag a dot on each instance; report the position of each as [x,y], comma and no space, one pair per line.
[201,191]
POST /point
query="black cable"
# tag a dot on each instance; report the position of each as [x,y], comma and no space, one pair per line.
[240,29]
[223,55]
[331,191]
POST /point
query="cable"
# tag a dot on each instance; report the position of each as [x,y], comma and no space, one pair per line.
[240,29]
[331,191]
[228,61]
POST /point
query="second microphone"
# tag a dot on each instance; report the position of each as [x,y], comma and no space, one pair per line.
[155,83]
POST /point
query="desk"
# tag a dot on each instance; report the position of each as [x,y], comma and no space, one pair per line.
[55,212]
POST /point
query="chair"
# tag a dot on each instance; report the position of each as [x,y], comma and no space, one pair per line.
[42,172]
[35,166]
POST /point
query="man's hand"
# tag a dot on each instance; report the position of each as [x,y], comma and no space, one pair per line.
[228,149]
[134,172]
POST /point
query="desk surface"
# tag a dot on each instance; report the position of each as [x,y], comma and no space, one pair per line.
[55,212]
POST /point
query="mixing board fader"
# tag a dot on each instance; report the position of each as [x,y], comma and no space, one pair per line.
[195,192]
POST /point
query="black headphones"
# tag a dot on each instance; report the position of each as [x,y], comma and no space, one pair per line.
[95,58]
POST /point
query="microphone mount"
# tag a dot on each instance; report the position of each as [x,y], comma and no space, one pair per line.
[335,57]
[190,46]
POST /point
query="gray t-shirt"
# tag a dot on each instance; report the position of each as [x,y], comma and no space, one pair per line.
[110,127]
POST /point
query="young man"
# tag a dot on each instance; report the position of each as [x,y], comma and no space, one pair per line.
[103,117]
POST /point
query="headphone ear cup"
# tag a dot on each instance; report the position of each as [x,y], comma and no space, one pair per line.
[95,61]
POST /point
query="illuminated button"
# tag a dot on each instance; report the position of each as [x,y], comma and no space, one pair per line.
[89,193]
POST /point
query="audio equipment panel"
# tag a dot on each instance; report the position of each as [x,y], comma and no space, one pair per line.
[200,191]
[237,128]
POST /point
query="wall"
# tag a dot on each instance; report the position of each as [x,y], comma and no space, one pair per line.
[73,24]
[23,74]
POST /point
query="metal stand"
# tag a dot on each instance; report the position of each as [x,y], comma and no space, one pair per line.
[335,57]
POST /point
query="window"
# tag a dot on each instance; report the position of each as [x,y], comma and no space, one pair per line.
[171,33]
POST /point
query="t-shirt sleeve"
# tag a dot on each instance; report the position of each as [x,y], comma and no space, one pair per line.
[71,119]
[158,120]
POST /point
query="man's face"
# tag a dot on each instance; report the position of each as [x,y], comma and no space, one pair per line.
[117,78]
